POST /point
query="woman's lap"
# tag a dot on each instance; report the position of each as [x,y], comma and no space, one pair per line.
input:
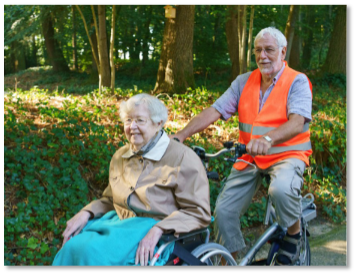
[107,241]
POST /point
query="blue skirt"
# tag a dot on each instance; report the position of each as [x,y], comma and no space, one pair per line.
[108,241]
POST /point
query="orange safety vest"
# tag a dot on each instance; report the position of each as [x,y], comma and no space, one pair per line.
[253,125]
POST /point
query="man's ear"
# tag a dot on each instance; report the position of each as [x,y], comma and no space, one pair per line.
[284,52]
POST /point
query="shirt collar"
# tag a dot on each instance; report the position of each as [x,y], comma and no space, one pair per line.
[156,153]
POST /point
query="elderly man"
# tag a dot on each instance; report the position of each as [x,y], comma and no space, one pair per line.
[274,107]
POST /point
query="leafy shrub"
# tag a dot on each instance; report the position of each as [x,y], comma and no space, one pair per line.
[56,158]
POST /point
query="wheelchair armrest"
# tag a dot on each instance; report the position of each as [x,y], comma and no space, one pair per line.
[170,237]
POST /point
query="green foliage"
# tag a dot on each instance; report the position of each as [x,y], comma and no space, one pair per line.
[139,33]
[49,172]
[328,135]
[57,154]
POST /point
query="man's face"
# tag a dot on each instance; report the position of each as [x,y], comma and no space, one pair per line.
[269,57]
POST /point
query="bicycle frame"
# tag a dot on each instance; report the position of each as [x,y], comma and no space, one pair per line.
[265,237]
[275,232]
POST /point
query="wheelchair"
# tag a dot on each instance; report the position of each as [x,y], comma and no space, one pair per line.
[195,249]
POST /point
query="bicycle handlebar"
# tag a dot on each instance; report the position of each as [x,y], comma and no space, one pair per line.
[239,150]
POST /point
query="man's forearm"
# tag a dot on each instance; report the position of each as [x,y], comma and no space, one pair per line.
[288,130]
[198,123]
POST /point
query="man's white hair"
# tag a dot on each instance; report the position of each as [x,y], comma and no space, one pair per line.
[158,111]
[277,34]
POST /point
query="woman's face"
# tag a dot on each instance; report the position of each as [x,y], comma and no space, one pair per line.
[141,129]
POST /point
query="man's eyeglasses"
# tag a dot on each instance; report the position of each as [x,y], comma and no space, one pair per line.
[140,121]
[268,51]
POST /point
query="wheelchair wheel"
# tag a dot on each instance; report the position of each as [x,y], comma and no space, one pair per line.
[214,254]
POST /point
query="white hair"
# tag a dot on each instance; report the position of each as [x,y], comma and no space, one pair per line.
[277,34]
[158,111]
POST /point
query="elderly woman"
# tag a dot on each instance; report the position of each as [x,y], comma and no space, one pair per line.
[156,186]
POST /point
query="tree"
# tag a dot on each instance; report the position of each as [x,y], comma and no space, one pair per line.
[183,65]
[146,34]
[250,33]
[232,40]
[55,53]
[175,71]
[112,39]
[308,40]
[74,40]
[103,47]
[241,27]
[295,51]
[102,59]
[335,62]
[290,26]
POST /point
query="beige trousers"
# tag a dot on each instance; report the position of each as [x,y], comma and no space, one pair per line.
[240,187]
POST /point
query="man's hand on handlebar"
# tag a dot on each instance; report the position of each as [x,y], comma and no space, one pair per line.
[258,146]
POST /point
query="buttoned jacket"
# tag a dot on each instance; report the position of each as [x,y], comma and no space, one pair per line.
[168,183]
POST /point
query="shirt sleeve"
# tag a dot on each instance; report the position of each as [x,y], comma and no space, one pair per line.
[300,98]
[101,206]
[192,198]
[228,102]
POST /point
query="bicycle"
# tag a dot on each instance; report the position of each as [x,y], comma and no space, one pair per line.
[275,233]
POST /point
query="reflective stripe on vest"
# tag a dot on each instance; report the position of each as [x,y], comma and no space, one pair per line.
[259,130]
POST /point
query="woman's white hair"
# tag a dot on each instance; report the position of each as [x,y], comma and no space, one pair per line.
[277,34]
[158,111]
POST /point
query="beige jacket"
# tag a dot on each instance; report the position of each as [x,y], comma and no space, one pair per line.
[168,183]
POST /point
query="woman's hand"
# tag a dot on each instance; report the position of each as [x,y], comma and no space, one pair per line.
[147,246]
[75,225]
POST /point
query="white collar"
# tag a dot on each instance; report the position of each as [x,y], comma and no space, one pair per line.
[156,152]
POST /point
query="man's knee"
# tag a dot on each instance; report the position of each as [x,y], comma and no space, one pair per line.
[278,189]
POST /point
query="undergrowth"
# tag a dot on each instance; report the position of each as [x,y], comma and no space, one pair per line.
[58,145]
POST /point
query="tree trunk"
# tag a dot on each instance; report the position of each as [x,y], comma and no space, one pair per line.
[103,48]
[95,53]
[294,57]
[289,31]
[164,75]
[175,72]
[18,57]
[146,35]
[112,41]
[308,42]
[335,62]
[217,32]
[93,44]
[74,40]
[183,58]
[33,52]
[232,40]
[242,37]
[250,34]
[134,34]
[55,54]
